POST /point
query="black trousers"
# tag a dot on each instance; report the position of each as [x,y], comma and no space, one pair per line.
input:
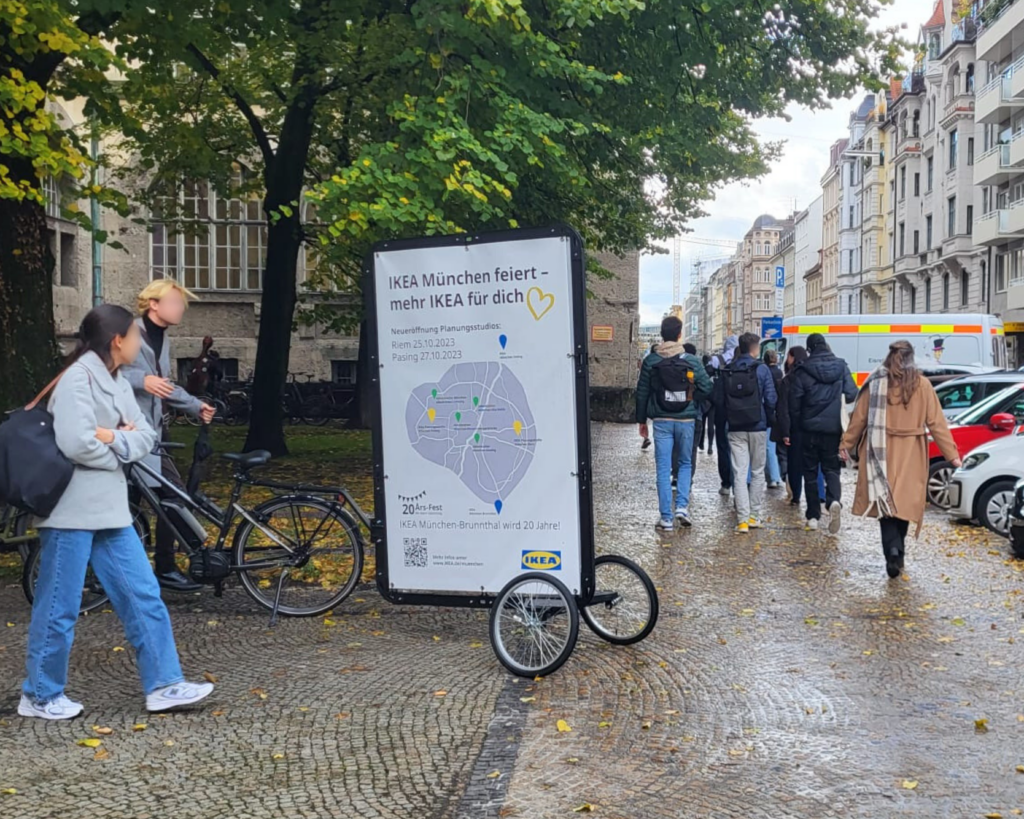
[820,449]
[894,536]
[722,442]
[163,550]
[709,428]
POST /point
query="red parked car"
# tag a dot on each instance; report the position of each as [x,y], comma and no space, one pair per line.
[993,418]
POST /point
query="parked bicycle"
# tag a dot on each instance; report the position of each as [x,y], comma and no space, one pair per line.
[15,532]
[299,553]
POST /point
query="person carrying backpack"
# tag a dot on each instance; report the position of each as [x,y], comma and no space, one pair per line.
[671,385]
[745,396]
[718,363]
[815,397]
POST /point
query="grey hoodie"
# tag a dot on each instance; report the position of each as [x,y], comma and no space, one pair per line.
[724,359]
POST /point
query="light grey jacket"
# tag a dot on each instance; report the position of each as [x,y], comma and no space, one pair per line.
[89,396]
[151,405]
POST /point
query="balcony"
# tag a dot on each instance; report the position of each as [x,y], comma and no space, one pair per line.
[1017,149]
[999,24]
[993,167]
[998,227]
[966,31]
[995,101]
[913,83]
[1016,72]
[960,107]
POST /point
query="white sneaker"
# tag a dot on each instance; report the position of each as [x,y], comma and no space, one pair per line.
[789,492]
[811,525]
[177,696]
[666,524]
[683,516]
[59,708]
[835,519]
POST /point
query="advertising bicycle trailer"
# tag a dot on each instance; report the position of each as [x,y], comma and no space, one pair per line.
[482,467]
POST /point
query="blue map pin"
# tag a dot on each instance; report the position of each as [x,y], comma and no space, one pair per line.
[503,340]
[497,506]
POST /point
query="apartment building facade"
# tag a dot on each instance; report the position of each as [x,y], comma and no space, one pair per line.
[760,244]
[832,202]
[785,258]
[807,230]
[849,285]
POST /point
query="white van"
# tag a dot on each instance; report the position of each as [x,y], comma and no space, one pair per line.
[961,342]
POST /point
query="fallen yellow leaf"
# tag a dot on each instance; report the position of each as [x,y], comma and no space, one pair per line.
[169,743]
[527,699]
[101,754]
[139,726]
[9,791]
[1020,769]
[210,678]
[102,731]
[562,726]
[573,760]
[494,774]
[993,815]
[117,648]
[981,726]
[476,644]
[909,784]
[441,693]
[586,807]
[278,756]
[91,742]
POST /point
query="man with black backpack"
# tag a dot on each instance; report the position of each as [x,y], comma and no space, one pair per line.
[672,383]
[745,395]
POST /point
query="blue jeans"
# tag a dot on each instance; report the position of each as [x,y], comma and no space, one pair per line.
[669,436]
[772,462]
[120,563]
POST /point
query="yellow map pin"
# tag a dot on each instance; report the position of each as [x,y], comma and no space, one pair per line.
[517,426]
[431,413]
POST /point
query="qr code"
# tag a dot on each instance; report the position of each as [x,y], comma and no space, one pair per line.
[415,552]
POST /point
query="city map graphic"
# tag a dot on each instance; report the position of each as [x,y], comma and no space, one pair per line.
[475,421]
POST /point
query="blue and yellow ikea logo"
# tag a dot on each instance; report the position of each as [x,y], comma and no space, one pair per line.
[542,561]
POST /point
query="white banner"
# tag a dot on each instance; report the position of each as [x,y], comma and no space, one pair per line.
[478,414]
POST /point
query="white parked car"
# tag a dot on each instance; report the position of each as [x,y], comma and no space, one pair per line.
[982,489]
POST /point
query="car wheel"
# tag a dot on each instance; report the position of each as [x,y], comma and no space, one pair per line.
[994,505]
[939,476]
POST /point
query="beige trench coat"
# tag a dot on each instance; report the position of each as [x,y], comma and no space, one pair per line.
[906,449]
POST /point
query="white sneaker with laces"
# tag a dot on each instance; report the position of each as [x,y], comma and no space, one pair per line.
[683,516]
[178,695]
[665,524]
[835,517]
[58,708]
[811,525]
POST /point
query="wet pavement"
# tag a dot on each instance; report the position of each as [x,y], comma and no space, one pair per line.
[787,677]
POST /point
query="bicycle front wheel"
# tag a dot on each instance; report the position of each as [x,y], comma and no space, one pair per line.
[534,625]
[307,553]
[624,609]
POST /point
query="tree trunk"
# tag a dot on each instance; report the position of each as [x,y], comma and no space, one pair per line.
[277,308]
[28,347]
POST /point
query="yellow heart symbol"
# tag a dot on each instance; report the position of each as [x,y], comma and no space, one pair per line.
[539,302]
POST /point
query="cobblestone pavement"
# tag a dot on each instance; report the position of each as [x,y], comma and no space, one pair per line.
[787,677]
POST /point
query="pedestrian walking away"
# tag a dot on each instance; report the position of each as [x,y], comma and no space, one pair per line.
[776,461]
[745,395]
[99,427]
[707,424]
[783,429]
[161,305]
[895,411]
[671,385]
[719,363]
[815,408]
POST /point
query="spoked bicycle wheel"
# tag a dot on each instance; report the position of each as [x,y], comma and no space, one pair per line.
[307,554]
[93,596]
[624,608]
[534,625]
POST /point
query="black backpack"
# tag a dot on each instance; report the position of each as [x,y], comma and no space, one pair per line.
[742,398]
[672,384]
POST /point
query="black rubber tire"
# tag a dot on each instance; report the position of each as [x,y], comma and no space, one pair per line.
[494,626]
[325,507]
[982,503]
[591,617]
[936,497]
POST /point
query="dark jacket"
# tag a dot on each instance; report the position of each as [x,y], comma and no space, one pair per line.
[819,385]
[776,374]
[783,428]
[765,383]
[647,407]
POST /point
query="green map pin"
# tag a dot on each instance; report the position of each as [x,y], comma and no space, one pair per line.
[477,437]
[434,393]
[458,416]
[475,400]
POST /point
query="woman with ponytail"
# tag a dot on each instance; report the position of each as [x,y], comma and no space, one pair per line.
[895,411]
[99,428]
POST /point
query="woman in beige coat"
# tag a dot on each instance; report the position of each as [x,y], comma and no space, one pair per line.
[895,411]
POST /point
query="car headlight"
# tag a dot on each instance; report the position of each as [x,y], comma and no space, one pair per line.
[974,460]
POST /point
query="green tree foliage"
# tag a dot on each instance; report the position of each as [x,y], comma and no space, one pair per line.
[619,117]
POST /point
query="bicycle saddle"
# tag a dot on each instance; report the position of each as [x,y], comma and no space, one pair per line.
[247,460]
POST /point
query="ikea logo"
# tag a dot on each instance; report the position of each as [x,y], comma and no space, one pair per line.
[542,561]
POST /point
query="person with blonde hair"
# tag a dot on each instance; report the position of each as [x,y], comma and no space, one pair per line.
[895,412]
[162,304]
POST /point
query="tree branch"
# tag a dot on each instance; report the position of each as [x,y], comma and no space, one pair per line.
[259,134]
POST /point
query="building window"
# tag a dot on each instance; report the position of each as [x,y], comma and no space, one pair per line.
[951,217]
[970,219]
[903,183]
[927,294]
[953,145]
[851,216]
[945,291]
[1000,282]
[984,201]
[913,299]
[970,150]
[343,372]
[928,232]
[903,238]
[68,261]
[970,78]
[965,285]
[917,241]
[917,184]
[931,172]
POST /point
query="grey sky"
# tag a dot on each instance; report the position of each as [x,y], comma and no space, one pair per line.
[795,177]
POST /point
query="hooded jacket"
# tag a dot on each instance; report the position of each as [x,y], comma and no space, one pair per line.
[765,383]
[817,389]
[723,359]
[647,407]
